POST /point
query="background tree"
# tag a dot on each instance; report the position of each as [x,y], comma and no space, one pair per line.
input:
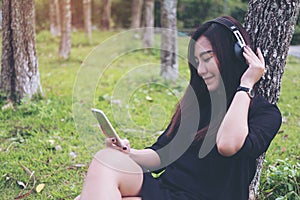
[19,70]
[106,15]
[121,18]
[136,11]
[168,53]
[54,16]
[148,37]
[77,10]
[65,21]
[87,9]
[271,26]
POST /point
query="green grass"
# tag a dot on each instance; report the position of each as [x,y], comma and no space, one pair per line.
[281,174]
[55,136]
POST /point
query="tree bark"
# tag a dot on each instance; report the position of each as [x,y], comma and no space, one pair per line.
[19,70]
[148,37]
[106,15]
[65,38]
[271,26]
[136,11]
[169,49]
[87,14]
[54,18]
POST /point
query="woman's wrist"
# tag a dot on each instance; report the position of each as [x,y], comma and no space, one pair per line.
[246,84]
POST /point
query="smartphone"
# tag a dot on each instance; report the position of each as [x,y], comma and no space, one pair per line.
[106,126]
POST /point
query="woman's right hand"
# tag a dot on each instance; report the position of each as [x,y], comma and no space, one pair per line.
[256,67]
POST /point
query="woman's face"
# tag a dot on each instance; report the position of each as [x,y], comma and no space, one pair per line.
[207,63]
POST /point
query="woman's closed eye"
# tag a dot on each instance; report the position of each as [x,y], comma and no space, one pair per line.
[205,57]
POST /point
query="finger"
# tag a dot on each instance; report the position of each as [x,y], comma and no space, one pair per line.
[253,58]
[126,142]
[126,145]
[110,142]
[251,55]
[247,57]
[248,54]
[248,50]
[260,55]
[126,149]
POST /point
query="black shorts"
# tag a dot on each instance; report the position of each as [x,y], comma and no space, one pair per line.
[155,189]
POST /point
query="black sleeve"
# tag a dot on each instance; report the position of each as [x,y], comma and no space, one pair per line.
[170,148]
[264,121]
[161,141]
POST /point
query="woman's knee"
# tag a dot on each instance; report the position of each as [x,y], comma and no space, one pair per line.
[117,161]
[126,173]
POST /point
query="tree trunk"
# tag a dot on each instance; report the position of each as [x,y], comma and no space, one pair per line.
[65,38]
[87,13]
[169,49]
[106,14]
[148,37]
[136,11]
[19,70]
[54,18]
[271,26]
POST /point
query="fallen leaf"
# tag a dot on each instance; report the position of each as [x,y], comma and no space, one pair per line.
[116,101]
[40,187]
[20,183]
[52,142]
[284,119]
[58,148]
[79,165]
[73,154]
[148,98]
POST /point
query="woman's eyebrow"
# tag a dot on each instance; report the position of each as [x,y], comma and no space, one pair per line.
[205,52]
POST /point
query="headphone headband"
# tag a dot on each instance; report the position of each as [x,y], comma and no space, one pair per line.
[233,28]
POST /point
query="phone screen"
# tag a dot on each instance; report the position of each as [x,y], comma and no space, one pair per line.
[106,126]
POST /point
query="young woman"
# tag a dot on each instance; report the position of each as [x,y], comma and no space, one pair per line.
[220,127]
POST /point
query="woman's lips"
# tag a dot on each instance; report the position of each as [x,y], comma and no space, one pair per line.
[207,78]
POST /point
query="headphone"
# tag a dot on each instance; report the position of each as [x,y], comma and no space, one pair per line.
[240,42]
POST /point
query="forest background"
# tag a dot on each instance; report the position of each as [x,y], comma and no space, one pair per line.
[44,156]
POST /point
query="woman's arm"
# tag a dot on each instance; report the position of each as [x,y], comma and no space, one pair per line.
[234,127]
[146,158]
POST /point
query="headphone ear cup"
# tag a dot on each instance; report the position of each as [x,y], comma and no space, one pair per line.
[238,51]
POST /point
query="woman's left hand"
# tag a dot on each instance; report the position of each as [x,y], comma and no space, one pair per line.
[256,67]
[111,143]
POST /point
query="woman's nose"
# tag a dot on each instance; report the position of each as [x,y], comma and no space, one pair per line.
[201,69]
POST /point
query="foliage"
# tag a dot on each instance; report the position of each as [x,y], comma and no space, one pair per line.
[190,13]
[281,180]
[121,17]
[41,134]
[296,36]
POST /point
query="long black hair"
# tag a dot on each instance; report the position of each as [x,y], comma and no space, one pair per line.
[231,69]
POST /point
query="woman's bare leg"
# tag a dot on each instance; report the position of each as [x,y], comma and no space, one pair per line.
[111,176]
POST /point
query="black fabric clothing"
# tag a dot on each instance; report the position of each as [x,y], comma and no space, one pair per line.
[215,177]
